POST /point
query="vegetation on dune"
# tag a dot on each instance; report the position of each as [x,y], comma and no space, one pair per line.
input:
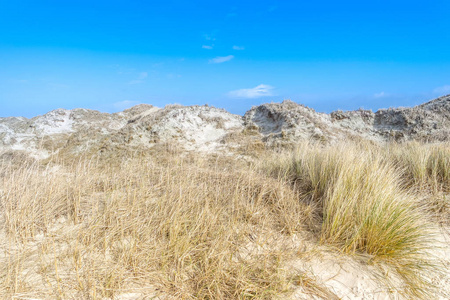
[425,169]
[187,228]
[219,228]
[363,207]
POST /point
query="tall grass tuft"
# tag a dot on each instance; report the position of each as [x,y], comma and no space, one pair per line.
[424,165]
[363,208]
[425,169]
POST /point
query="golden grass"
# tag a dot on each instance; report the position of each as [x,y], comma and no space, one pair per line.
[425,165]
[187,227]
[425,168]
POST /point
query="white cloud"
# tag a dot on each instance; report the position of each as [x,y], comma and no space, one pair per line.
[207,47]
[238,48]
[221,59]
[380,95]
[121,105]
[262,90]
[442,90]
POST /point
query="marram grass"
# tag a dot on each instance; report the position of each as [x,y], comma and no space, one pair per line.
[178,227]
[363,208]
[193,228]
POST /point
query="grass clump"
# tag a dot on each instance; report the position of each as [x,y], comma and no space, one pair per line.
[425,166]
[362,208]
[426,170]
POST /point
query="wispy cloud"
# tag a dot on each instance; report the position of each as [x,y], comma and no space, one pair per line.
[121,105]
[221,59]
[209,41]
[262,90]
[233,12]
[209,37]
[143,75]
[442,90]
[238,48]
[140,78]
[380,95]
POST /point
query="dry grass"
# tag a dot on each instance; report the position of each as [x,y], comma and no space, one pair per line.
[188,228]
[425,168]
[185,227]
[363,208]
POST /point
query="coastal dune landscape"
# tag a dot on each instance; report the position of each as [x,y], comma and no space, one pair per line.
[224,150]
[197,203]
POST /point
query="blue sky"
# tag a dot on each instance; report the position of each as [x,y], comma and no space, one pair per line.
[110,55]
